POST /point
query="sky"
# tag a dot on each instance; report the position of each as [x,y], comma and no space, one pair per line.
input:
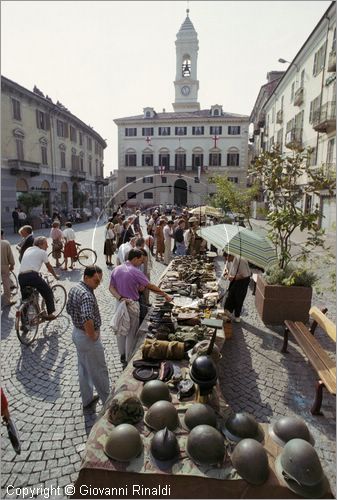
[108,59]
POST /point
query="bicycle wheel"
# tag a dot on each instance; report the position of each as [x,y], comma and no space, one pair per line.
[27,322]
[52,260]
[14,283]
[87,257]
[60,298]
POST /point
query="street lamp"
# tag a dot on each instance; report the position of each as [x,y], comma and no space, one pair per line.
[283,61]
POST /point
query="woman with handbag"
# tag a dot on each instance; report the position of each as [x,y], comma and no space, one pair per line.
[109,243]
[57,241]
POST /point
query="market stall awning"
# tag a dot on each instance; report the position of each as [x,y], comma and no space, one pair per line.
[206,210]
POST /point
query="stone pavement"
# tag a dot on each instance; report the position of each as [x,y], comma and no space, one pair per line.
[42,386]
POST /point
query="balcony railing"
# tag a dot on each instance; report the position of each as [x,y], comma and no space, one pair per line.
[99,180]
[324,119]
[279,116]
[332,61]
[77,174]
[22,166]
[294,138]
[298,98]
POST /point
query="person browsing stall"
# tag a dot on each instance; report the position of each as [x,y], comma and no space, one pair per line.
[238,274]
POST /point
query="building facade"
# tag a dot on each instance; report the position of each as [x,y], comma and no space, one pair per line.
[110,190]
[167,157]
[46,149]
[301,110]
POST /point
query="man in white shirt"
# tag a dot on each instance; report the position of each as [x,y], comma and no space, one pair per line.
[239,276]
[31,263]
[168,235]
[124,249]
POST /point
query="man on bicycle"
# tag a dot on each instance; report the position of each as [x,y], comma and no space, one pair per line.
[31,263]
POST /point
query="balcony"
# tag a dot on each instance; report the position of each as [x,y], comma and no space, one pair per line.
[279,116]
[298,98]
[77,175]
[324,119]
[294,138]
[22,166]
[329,170]
[332,61]
[99,180]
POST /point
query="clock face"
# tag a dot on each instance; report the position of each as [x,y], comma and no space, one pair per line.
[185,90]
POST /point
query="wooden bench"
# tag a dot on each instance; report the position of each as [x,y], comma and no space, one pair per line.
[319,359]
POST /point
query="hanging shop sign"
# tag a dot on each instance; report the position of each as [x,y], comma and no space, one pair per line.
[43,189]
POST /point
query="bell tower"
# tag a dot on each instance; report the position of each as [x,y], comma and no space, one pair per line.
[186,84]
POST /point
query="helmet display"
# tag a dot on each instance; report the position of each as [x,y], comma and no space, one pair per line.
[242,425]
[299,468]
[202,348]
[162,414]
[250,460]
[154,390]
[199,414]
[125,408]
[164,445]
[124,443]
[203,370]
[205,445]
[288,428]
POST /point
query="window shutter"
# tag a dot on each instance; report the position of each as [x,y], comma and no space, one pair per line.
[159,130]
[47,121]
[193,130]
[143,131]
[66,130]
[37,119]
[193,159]
[202,130]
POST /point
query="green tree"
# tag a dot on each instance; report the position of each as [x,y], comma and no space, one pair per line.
[29,201]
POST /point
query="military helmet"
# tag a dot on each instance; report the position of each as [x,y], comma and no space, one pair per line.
[164,445]
[203,370]
[298,467]
[154,390]
[250,460]
[162,414]
[125,408]
[205,445]
[242,425]
[199,414]
[202,348]
[124,443]
[289,428]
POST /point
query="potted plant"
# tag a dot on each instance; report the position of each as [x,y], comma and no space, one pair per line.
[285,291]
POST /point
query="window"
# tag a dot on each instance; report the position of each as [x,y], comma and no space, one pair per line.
[164,180]
[279,139]
[330,151]
[62,128]
[147,180]
[197,160]
[44,157]
[164,160]
[74,161]
[96,148]
[214,160]
[130,160]
[302,78]
[216,112]
[292,92]
[131,195]
[147,131]
[216,130]
[314,107]
[180,161]
[80,137]
[273,115]
[147,160]
[234,130]
[235,180]
[42,120]
[90,166]
[89,143]
[19,148]
[333,46]
[312,160]
[130,132]
[164,130]
[73,135]
[233,159]
[81,164]
[130,179]
[16,108]
[180,130]
[319,60]
[148,196]
[63,159]
[197,130]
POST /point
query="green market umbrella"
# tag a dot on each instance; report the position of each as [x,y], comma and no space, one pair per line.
[239,241]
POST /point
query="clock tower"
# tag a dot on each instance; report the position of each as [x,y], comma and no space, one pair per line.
[186,83]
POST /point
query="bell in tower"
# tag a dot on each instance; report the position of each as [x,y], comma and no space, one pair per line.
[186,68]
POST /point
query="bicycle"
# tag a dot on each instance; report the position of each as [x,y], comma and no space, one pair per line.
[31,313]
[85,257]
[13,283]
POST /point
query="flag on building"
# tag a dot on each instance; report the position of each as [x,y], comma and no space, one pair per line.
[162,169]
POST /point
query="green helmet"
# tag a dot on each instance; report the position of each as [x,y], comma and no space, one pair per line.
[199,414]
[164,445]
[125,408]
[124,443]
[162,414]
[251,461]
[289,428]
[205,445]
[242,425]
[298,467]
[154,390]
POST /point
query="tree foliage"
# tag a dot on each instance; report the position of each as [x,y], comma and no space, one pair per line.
[30,200]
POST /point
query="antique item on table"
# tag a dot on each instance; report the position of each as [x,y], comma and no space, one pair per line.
[203,373]
[287,428]
[185,388]
[153,391]
[251,462]
[242,425]
[205,445]
[164,445]
[166,371]
[125,408]
[124,443]
[298,467]
[162,414]
[146,370]
[202,348]
[162,349]
[199,414]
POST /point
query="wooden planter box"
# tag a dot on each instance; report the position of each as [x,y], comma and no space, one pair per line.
[276,303]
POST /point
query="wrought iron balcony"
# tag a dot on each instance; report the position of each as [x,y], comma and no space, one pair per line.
[77,175]
[324,119]
[279,116]
[332,61]
[294,138]
[298,98]
[22,166]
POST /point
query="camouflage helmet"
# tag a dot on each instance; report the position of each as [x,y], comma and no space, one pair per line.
[242,425]
[162,414]
[125,408]
[201,348]
[205,445]
[299,468]
[288,428]
[154,390]
[250,460]
[203,370]
[124,443]
[198,414]
[164,445]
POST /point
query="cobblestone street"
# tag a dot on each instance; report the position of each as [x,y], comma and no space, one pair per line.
[41,382]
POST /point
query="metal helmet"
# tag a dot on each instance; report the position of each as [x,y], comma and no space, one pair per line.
[154,390]
[199,414]
[298,467]
[288,428]
[162,414]
[250,460]
[203,370]
[205,445]
[164,445]
[124,443]
[125,408]
[202,348]
[242,425]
